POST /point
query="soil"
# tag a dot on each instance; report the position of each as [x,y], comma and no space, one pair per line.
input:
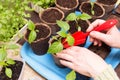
[43,32]
[51,15]
[67,3]
[16,71]
[102,51]
[73,26]
[107,2]
[86,7]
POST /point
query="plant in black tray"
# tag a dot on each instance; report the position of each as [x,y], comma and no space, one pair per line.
[10,68]
[92,2]
[38,35]
[56,45]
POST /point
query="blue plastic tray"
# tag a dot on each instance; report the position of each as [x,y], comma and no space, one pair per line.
[46,67]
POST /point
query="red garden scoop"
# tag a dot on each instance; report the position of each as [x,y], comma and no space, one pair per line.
[80,37]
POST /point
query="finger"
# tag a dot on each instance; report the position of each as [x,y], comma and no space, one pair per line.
[65,57]
[95,24]
[100,36]
[66,63]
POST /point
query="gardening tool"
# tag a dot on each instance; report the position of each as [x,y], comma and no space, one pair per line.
[80,37]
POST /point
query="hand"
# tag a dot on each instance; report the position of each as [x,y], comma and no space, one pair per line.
[82,60]
[111,38]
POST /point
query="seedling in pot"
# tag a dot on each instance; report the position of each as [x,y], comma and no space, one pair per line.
[4,60]
[57,44]
[76,17]
[92,2]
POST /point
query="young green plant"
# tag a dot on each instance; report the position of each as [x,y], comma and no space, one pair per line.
[75,17]
[32,35]
[57,44]
[92,2]
[4,60]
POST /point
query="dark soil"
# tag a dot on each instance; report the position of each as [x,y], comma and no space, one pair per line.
[102,51]
[67,3]
[107,2]
[43,32]
[16,71]
[83,24]
[86,7]
[73,26]
[51,15]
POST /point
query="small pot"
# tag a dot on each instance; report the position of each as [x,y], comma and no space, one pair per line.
[49,17]
[107,4]
[98,9]
[40,45]
[67,6]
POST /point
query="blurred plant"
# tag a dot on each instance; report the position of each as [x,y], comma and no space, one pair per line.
[44,3]
[12,17]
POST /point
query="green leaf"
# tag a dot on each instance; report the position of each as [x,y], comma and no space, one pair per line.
[84,16]
[55,47]
[8,72]
[70,40]
[10,61]
[62,33]
[32,36]
[71,17]
[2,63]
[3,54]
[71,75]
[31,25]
[64,25]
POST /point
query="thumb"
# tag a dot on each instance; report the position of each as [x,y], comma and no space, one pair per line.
[100,36]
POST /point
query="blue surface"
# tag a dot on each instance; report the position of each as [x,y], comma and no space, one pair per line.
[45,65]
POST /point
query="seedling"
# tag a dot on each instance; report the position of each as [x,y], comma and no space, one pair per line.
[33,33]
[74,17]
[57,44]
[92,2]
[4,60]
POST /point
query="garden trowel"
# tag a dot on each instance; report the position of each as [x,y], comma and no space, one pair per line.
[80,37]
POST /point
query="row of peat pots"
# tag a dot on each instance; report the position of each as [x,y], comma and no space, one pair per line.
[103,9]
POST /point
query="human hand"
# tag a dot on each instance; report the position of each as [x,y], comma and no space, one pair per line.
[111,38]
[82,60]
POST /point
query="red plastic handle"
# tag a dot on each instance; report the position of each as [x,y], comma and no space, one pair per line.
[106,25]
